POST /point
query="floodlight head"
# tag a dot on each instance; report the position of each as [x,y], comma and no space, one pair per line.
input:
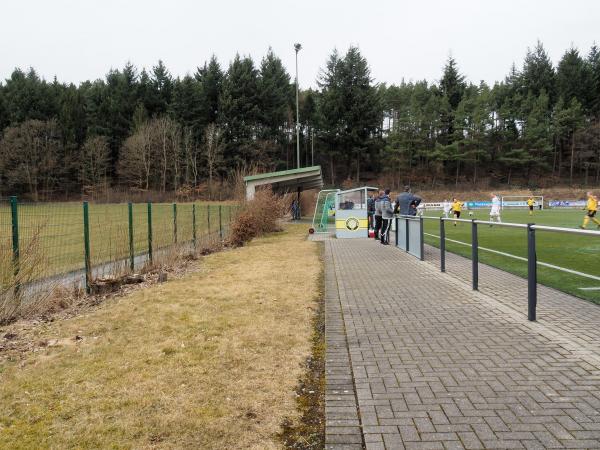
[297,47]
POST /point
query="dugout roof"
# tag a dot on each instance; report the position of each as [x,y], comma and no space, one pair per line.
[285,181]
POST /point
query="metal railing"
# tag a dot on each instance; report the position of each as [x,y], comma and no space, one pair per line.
[531,258]
[404,225]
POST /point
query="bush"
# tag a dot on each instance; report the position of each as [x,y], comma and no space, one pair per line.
[258,216]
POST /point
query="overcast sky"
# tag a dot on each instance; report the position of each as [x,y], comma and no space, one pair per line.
[78,40]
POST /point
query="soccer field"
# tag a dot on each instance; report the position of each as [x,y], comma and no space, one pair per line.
[573,252]
[51,234]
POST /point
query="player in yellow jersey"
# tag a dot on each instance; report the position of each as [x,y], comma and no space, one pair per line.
[592,209]
[530,204]
[456,208]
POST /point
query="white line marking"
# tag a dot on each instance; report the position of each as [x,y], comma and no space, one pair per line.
[590,289]
[520,258]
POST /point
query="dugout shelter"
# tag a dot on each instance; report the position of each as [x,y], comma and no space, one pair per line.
[286,181]
[351,218]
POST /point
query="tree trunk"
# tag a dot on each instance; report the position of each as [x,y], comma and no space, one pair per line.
[358,166]
[572,158]
[332,169]
[509,175]
[457,172]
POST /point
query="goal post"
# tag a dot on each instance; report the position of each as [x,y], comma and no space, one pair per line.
[520,201]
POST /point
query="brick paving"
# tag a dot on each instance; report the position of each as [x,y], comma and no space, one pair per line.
[416,359]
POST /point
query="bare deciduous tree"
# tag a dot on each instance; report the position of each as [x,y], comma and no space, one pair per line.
[151,157]
[95,158]
[29,155]
[213,152]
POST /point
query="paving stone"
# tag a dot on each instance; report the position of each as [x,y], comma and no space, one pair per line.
[416,359]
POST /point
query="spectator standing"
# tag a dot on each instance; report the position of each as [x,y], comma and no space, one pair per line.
[408,202]
[387,215]
[371,211]
[377,214]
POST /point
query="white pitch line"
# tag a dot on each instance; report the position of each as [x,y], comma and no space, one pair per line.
[520,258]
[590,289]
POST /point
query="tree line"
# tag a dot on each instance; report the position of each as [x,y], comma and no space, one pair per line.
[148,130]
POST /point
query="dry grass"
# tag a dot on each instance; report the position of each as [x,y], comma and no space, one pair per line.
[208,361]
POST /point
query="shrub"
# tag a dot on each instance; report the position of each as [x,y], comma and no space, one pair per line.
[258,216]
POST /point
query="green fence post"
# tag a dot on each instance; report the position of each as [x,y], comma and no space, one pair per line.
[150,232]
[208,217]
[220,223]
[86,246]
[131,247]
[194,224]
[175,223]
[15,239]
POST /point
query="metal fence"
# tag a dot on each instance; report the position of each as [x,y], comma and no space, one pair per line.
[531,253]
[73,241]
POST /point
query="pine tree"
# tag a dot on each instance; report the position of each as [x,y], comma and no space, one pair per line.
[239,111]
[211,79]
[452,87]
[593,62]
[275,96]
[538,74]
[573,78]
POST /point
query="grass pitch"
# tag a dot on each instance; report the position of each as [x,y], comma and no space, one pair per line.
[58,231]
[579,253]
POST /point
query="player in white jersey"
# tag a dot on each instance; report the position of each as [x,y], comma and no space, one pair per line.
[495,211]
[447,206]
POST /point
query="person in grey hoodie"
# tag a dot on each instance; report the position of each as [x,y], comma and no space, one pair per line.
[387,215]
[407,202]
[377,215]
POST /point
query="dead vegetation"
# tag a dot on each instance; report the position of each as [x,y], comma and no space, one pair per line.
[206,361]
[256,217]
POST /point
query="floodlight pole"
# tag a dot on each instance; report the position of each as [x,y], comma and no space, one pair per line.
[297,47]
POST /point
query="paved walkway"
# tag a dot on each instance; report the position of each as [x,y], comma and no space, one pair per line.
[416,359]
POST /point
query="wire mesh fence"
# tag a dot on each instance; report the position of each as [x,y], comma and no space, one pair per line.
[42,244]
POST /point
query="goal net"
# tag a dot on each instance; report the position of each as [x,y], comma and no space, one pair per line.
[520,201]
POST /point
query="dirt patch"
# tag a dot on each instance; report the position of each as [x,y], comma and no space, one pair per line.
[19,338]
[308,431]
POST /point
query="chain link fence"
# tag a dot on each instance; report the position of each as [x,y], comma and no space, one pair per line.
[74,243]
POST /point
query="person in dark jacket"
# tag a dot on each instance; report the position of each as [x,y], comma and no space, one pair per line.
[407,202]
[377,215]
[387,215]
[371,211]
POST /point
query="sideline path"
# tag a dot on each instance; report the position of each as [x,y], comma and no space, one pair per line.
[416,359]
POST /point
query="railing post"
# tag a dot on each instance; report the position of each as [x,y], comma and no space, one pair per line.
[407,235]
[531,274]
[194,224]
[14,209]
[397,229]
[131,246]
[86,247]
[442,245]
[220,223]
[475,255]
[422,238]
[175,223]
[150,232]
[208,217]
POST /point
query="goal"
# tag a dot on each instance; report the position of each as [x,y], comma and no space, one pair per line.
[520,201]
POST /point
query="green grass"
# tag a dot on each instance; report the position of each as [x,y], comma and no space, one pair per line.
[580,253]
[58,229]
